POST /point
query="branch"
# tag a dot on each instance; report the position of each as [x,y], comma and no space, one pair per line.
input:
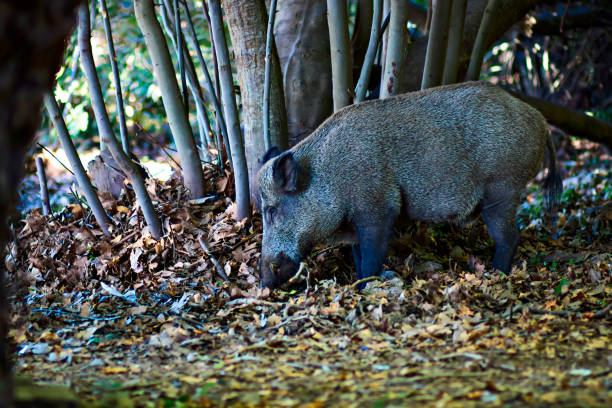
[573,122]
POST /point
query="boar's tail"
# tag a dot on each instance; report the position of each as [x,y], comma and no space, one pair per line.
[553,186]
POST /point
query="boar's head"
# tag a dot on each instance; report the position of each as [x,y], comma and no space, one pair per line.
[289,222]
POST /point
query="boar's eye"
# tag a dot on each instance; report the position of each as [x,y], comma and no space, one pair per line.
[270,213]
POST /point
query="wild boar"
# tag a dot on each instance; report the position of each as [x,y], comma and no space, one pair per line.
[443,154]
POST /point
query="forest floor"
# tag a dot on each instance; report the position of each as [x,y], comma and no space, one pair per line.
[133,322]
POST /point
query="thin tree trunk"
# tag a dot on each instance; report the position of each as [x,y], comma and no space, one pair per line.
[507,14]
[395,48]
[116,79]
[187,67]
[217,89]
[480,45]
[366,69]
[247,20]
[342,73]
[361,32]
[165,77]
[241,175]
[75,163]
[42,182]
[266,92]
[106,132]
[302,41]
[436,46]
[453,48]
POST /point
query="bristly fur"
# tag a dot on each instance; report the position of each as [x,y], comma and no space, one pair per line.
[441,154]
[553,185]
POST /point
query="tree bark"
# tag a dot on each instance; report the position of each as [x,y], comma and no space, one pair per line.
[366,69]
[106,132]
[395,48]
[508,13]
[27,70]
[116,78]
[42,184]
[573,122]
[342,72]
[171,97]
[453,47]
[302,41]
[247,21]
[361,32]
[75,163]
[436,46]
[480,44]
[241,175]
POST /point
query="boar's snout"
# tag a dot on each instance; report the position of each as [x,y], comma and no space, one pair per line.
[276,270]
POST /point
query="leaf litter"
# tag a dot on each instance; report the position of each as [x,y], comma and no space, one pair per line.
[132,321]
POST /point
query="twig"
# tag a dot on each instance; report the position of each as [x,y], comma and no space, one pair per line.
[298,273]
[368,279]
[126,238]
[214,260]
[55,157]
[64,312]
[42,181]
[564,313]
[156,143]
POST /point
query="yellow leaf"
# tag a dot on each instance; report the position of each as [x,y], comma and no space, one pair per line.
[114,370]
[123,209]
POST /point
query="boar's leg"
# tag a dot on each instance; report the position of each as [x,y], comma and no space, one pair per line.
[357,259]
[371,251]
[500,218]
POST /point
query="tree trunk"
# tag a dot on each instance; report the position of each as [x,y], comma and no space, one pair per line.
[27,70]
[116,78]
[366,69]
[361,32]
[342,73]
[247,21]
[436,46]
[302,41]
[508,13]
[480,44]
[395,48]
[106,132]
[453,48]
[241,175]
[75,162]
[171,97]
[573,122]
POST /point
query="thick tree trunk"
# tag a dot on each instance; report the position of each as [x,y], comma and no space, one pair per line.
[508,13]
[171,96]
[27,70]
[342,72]
[247,21]
[302,40]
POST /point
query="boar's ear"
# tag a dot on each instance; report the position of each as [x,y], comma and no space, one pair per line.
[285,172]
[270,154]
